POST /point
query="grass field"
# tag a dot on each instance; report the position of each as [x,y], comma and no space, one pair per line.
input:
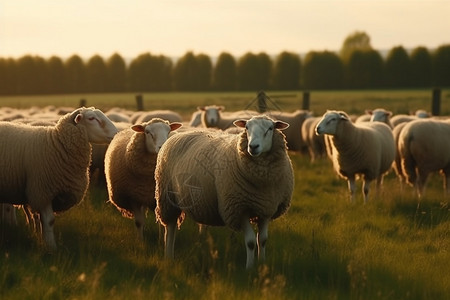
[394,247]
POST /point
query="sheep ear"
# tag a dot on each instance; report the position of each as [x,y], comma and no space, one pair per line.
[343,117]
[175,126]
[78,118]
[202,108]
[138,128]
[369,111]
[281,125]
[240,123]
[220,108]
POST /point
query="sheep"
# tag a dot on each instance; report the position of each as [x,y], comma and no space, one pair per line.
[168,115]
[314,142]
[380,115]
[401,118]
[222,179]
[424,147]
[129,168]
[212,116]
[366,149]
[46,167]
[294,131]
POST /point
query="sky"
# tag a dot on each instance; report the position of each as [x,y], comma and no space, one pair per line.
[172,28]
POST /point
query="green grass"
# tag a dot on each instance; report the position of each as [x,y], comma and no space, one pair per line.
[324,248]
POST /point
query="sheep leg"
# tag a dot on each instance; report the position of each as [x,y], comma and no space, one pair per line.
[365,188]
[422,177]
[250,242]
[169,239]
[139,220]
[263,231]
[351,188]
[47,222]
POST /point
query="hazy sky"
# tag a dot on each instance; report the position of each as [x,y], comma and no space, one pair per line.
[171,28]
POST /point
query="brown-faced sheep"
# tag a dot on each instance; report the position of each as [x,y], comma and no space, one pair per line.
[225,179]
[366,149]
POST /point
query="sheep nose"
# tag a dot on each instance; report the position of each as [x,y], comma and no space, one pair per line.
[253,147]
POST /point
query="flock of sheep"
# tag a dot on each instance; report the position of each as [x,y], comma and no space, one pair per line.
[221,169]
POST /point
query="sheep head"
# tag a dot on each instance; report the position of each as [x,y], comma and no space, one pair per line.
[210,115]
[259,130]
[99,128]
[156,132]
[329,122]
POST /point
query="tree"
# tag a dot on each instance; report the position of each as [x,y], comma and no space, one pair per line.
[441,66]
[117,74]
[42,81]
[56,75]
[224,73]
[184,73]
[398,68]
[286,73]
[358,40]
[96,74]
[75,75]
[364,69]
[26,75]
[8,76]
[253,72]
[322,70]
[421,71]
[203,72]
[149,73]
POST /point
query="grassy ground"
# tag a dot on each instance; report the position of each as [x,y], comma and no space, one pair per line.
[394,247]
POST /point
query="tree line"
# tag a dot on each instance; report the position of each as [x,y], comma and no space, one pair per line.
[353,67]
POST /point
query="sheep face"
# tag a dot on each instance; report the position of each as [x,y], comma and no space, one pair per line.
[99,128]
[156,133]
[329,122]
[259,133]
[380,115]
[211,115]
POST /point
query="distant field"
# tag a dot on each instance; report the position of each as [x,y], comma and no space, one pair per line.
[353,102]
[395,247]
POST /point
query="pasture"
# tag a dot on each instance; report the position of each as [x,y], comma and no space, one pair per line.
[394,247]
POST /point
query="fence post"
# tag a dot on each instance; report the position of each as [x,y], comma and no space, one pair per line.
[139,102]
[436,102]
[262,106]
[305,103]
[83,102]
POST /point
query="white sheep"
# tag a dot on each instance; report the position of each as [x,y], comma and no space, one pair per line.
[293,133]
[315,143]
[380,115]
[145,116]
[424,147]
[213,116]
[366,149]
[225,179]
[46,167]
[401,118]
[130,165]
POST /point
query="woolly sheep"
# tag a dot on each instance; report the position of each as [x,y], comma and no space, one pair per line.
[314,142]
[401,118]
[366,149]
[225,179]
[424,147]
[294,131]
[212,116]
[380,115]
[129,168]
[46,168]
[146,116]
